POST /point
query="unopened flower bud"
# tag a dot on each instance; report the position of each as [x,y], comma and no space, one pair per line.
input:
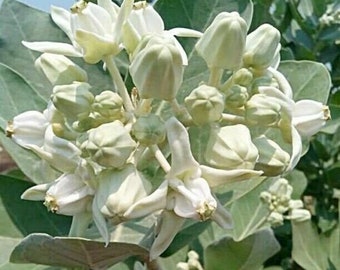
[275,219]
[300,215]
[282,189]
[273,160]
[149,129]
[309,116]
[243,77]
[236,96]
[60,70]
[28,128]
[262,110]
[110,145]
[108,104]
[262,47]
[157,70]
[230,147]
[205,104]
[73,100]
[223,42]
[117,194]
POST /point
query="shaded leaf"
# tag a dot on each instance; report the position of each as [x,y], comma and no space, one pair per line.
[248,254]
[73,252]
[249,213]
[23,217]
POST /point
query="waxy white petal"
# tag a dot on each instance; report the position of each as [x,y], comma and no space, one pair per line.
[155,201]
[217,177]
[168,227]
[53,47]
[182,160]
[28,129]
[62,18]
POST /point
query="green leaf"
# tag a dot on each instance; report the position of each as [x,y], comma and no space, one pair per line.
[298,181]
[307,249]
[18,94]
[7,245]
[19,22]
[309,80]
[21,217]
[73,252]
[248,254]
[249,213]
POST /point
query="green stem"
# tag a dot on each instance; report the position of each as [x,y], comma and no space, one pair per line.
[235,119]
[215,77]
[160,158]
[119,83]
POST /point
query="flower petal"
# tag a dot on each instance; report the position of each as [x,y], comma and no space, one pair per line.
[168,227]
[36,193]
[217,177]
[185,32]
[155,201]
[95,46]
[53,47]
[62,18]
[182,159]
[28,128]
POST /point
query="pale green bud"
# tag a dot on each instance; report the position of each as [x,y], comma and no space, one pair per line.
[243,77]
[300,215]
[117,191]
[60,70]
[230,147]
[149,129]
[205,104]
[262,110]
[223,42]
[73,100]
[110,145]
[262,47]
[273,160]
[157,70]
[236,96]
[108,104]
[275,219]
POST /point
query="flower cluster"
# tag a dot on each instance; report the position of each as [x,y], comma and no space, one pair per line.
[278,199]
[98,142]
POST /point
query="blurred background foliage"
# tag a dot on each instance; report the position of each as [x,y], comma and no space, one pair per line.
[311,31]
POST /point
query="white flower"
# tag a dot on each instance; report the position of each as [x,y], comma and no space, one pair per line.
[58,152]
[117,190]
[94,30]
[309,116]
[145,20]
[68,195]
[183,191]
[28,129]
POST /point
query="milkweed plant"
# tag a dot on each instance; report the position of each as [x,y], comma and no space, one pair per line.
[189,148]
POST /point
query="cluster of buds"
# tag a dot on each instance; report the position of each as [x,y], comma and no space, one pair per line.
[281,206]
[98,142]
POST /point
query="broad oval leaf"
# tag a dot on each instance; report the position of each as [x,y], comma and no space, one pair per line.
[251,252]
[73,252]
[309,80]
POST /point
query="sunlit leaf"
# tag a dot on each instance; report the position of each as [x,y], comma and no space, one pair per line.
[307,251]
[250,253]
[309,80]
